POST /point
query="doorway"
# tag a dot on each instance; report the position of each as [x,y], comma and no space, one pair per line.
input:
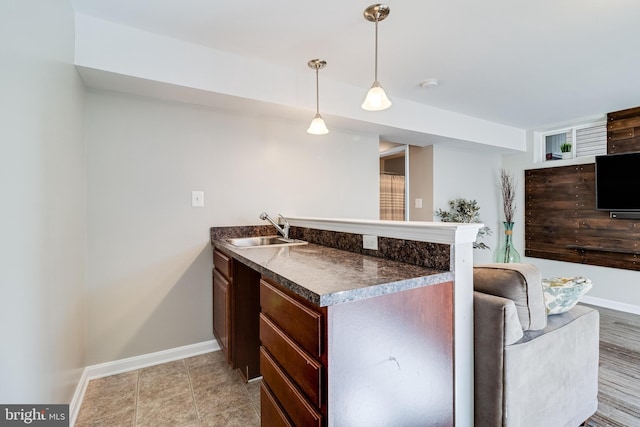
[394,183]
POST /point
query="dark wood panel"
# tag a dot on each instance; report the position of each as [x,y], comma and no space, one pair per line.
[554,253]
[621,134]
[245,308]
[549,203]
[590,257]
[622,124]
[571,173]
[623,114]
[623,146]
[561,222]
[606,259]
[600,219]
[623,131]
[582,220]
[576,189]
[600,237]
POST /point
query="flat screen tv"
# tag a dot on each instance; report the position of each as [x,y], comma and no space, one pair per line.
[618,182]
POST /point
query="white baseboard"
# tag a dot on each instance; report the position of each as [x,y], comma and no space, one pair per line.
[614,305]
[131,364]
[150,359]
[76,402]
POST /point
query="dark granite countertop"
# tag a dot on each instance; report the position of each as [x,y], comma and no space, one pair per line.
[326,276]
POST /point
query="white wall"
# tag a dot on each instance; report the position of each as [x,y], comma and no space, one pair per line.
[470,174]
[43,226]
[149,256]
[617,287]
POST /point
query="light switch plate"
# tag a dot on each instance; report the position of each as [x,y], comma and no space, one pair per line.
[197,199]
[418,204]
[370,242]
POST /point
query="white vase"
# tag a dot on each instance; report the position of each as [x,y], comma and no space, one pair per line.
[566,155]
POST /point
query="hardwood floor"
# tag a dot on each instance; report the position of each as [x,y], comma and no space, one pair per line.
[619,382]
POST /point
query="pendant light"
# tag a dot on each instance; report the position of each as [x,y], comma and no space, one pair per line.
[376,99]
[317,126]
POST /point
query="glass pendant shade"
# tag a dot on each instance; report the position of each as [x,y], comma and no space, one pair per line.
[317,126]
[376,99]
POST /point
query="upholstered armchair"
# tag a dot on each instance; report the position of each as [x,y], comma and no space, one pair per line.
[531,369]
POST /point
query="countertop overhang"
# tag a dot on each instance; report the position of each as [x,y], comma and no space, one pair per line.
[326,276]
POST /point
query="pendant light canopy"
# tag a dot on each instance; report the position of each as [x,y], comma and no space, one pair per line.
[376,99]
[317,126]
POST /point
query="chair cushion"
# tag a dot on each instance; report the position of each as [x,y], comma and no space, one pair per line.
[521,283]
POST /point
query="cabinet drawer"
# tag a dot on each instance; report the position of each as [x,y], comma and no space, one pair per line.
[298,321]
[305,371]
[271,413]
[222,263]
[294,403]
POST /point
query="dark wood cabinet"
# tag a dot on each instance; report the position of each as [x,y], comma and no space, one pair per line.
[292,359]
[385,360]
[236,307]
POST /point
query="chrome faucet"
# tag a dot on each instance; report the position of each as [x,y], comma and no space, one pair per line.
[284,230]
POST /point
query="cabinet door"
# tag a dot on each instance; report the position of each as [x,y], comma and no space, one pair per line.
[245,308]
[221,312]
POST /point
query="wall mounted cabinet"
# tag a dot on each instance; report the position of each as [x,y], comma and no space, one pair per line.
[357,363]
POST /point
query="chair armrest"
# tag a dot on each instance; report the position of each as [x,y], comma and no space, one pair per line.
[521,283]
[496,320]
[496,325]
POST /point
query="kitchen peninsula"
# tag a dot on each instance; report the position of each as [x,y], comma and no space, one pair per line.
[351,336]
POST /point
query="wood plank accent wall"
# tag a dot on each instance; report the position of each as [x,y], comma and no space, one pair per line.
[623,131]
[563,224]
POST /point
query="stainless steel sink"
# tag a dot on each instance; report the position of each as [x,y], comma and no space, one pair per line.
[262,241]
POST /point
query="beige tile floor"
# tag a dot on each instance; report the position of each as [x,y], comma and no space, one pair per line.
[200,391]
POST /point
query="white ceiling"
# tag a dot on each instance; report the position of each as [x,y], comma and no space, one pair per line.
[525,64]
